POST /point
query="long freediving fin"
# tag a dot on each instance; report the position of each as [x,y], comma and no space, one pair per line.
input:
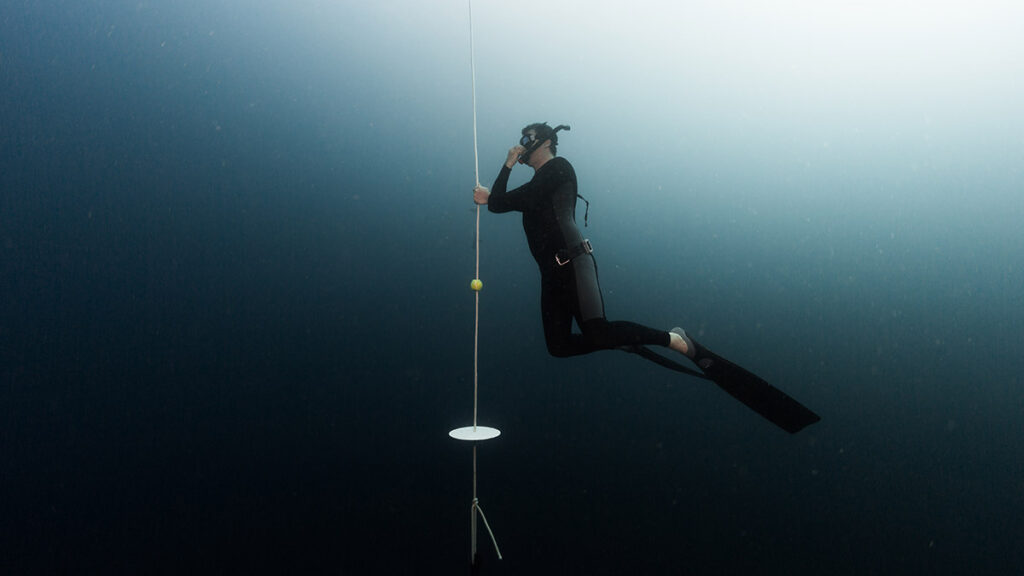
[749,388]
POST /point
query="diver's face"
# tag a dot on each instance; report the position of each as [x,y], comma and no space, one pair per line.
[530,146]
[525,143]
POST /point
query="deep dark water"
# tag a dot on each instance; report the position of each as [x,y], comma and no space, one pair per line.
[235,329]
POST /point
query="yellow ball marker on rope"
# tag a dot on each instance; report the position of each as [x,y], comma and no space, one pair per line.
[476,285]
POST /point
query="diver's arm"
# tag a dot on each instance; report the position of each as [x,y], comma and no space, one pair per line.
[499,202]
[520,199]
[523,199]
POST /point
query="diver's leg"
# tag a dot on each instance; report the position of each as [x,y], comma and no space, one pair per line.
[598,332]
[589,302]
[556,312]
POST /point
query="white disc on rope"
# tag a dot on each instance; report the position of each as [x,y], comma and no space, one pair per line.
[474,433]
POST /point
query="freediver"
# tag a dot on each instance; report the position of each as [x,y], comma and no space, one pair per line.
[568,270]
[570,289]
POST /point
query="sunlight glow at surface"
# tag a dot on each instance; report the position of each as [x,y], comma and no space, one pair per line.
[883,97]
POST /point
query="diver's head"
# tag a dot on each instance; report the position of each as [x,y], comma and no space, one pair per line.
[539,136]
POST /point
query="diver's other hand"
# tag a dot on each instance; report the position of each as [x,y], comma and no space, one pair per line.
[481,194]
[513,155]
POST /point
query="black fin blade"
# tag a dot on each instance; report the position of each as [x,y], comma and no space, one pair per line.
[749,388]
[757,394]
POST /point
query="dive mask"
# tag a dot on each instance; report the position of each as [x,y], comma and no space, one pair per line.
[530,142]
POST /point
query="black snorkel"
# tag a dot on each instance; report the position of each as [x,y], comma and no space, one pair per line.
[542,133]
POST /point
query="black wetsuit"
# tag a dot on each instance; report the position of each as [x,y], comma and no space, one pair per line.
[548,204]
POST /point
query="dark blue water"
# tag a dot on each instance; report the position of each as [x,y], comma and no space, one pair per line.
[235,324]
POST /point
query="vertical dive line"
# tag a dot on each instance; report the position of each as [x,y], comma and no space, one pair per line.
[472,68]
[476,294]
[476,167]
[475,507]
[476,321]
[472,514]
[476,326]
